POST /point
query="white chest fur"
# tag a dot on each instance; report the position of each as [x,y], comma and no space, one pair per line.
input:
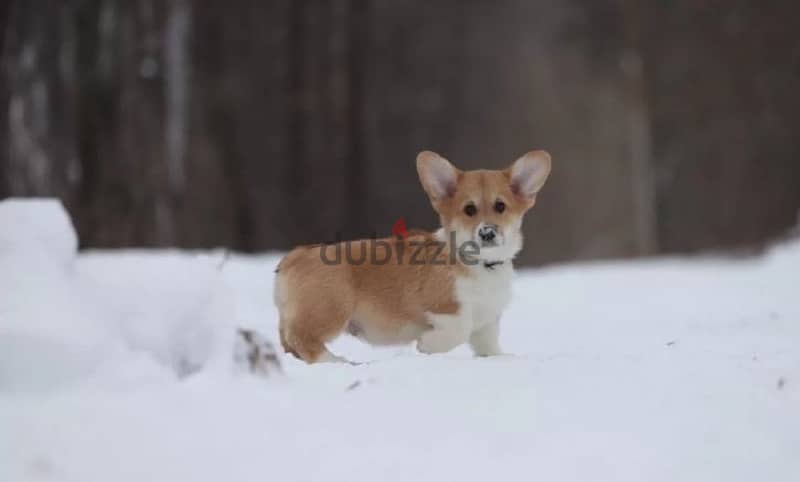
[482,298]
[485,295]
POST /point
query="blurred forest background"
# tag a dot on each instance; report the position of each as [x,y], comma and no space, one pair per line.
[260,124]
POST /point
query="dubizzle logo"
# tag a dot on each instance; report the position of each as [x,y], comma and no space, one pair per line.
[415,251]
[399,228]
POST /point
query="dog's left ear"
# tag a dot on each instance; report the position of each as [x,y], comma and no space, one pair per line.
[529,173]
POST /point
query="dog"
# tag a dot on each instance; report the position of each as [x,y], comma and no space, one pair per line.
[439,289]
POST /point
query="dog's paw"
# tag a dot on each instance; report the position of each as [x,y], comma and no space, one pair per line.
[492,353]
[438,341]
[425,347]
[255,354]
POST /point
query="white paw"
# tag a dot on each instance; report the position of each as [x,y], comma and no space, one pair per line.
[493,352]
[439,341]
[328,357]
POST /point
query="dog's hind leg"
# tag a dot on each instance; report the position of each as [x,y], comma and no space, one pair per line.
[305,334]
[306,341]
[306,325]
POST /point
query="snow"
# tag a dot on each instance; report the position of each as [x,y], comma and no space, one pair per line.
[48,334]
[114,366]
[37,224]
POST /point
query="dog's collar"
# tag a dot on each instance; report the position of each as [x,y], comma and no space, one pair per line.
[491,264]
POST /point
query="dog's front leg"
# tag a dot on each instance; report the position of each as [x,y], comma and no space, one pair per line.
[484,340]
[447,332]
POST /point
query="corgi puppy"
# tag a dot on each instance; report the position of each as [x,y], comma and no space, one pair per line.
[439,289]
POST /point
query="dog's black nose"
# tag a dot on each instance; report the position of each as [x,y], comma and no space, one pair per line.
[487,233]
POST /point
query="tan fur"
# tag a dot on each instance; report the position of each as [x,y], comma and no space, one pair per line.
[386,303]
[316,300]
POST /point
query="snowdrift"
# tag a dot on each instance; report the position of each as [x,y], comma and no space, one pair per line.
[108,318]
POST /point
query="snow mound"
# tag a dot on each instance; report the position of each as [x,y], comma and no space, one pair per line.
[61,324]
[37,226]
[175,307]
[48,334]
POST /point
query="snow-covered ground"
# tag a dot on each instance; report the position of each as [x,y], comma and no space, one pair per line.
[115,366]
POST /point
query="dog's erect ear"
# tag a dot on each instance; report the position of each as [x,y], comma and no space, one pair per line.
[529,173]
[437,175]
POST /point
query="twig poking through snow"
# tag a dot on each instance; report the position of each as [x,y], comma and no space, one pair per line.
[226,255]
[255,353]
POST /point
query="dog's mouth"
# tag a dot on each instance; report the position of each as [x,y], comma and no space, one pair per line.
[488,244]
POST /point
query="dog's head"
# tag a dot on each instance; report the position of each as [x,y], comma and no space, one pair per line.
[485,207]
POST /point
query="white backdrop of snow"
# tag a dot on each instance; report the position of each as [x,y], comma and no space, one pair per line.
[115,366]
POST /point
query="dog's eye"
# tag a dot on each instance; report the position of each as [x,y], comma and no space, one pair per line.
[470,210]
[499,206]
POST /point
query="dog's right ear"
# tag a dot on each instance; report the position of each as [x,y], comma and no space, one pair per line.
[437,175]
[529,173]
